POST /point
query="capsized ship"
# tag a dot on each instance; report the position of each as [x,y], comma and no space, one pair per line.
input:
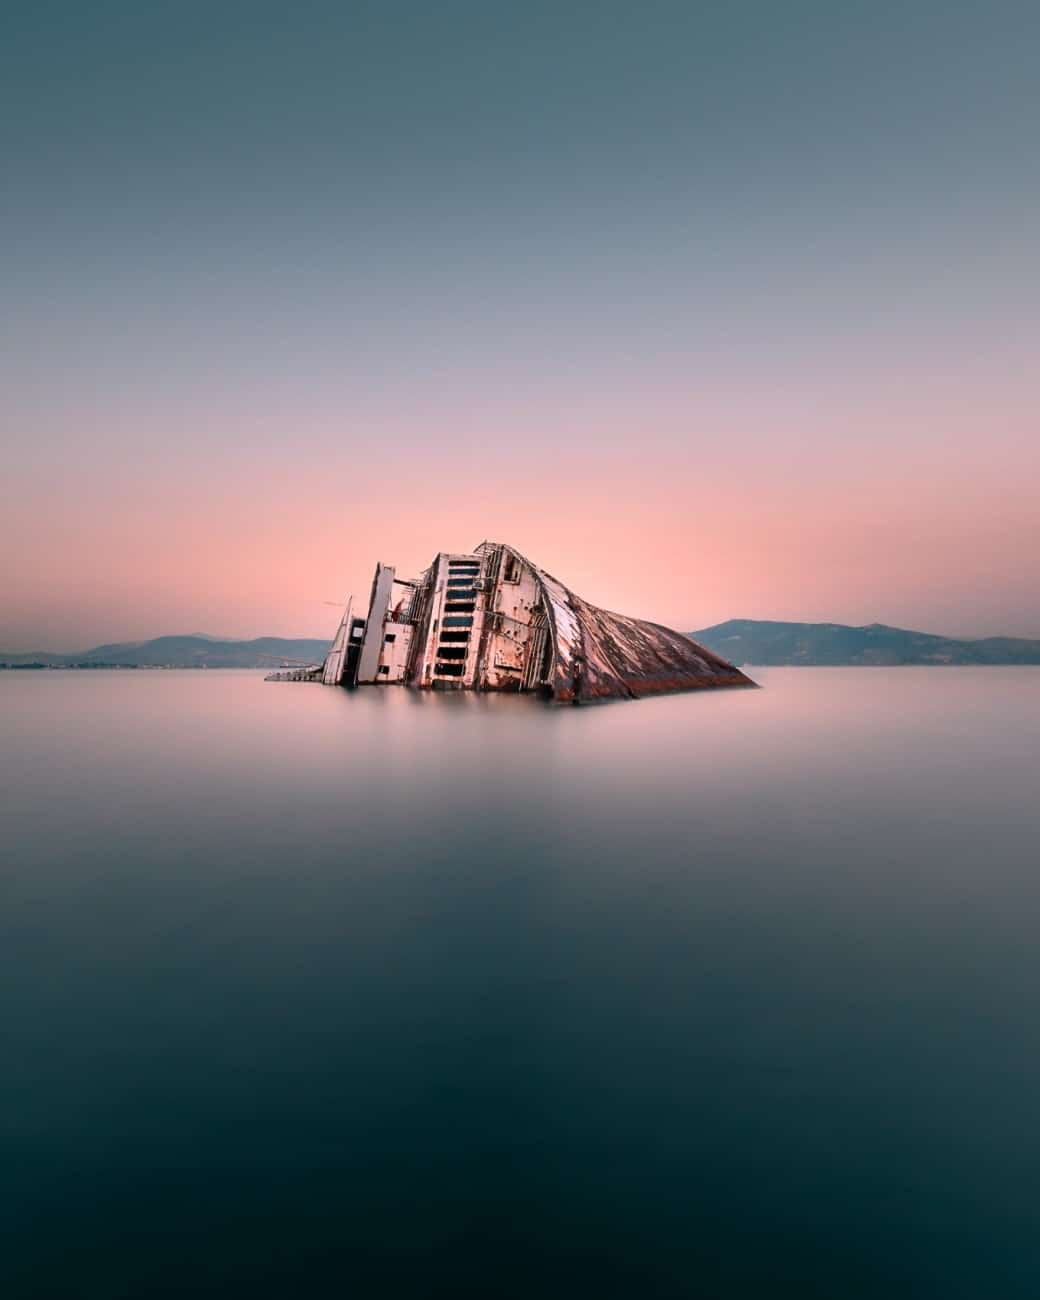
[493,621]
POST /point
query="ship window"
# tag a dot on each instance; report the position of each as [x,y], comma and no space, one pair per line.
[450,670]
[459,608]
[458,620]
[385,669]
[390,636]
[454,636]
[464,565]
[511,570]
[460,582]
[452,651]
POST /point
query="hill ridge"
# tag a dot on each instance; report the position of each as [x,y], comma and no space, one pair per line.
[193,651]
[774,642]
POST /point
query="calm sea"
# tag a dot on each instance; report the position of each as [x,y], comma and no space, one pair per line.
[311,993]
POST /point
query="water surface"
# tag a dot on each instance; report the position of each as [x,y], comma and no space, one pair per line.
[310,992]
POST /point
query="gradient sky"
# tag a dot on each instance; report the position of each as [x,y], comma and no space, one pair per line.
[714,310]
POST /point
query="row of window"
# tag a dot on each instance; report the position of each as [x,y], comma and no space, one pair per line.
[459,606]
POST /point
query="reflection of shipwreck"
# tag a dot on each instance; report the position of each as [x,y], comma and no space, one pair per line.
[493,621]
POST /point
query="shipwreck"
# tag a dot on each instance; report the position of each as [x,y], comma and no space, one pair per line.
[492,620]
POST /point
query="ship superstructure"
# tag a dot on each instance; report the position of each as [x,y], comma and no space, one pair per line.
[491,620]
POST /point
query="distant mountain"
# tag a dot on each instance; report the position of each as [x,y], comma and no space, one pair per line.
[195,651]
[758,641]
[741,641]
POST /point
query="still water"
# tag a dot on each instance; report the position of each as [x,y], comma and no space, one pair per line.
[314,993]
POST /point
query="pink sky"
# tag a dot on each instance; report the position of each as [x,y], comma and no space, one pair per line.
[712,316]
[793,501]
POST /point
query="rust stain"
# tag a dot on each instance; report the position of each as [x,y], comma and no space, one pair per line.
[492,620]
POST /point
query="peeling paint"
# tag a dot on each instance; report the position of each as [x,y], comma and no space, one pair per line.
[491,620]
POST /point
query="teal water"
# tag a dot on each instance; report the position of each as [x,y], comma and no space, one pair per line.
[305,992]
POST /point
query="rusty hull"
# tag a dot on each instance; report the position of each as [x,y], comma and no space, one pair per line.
[600,655]
[491,620]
